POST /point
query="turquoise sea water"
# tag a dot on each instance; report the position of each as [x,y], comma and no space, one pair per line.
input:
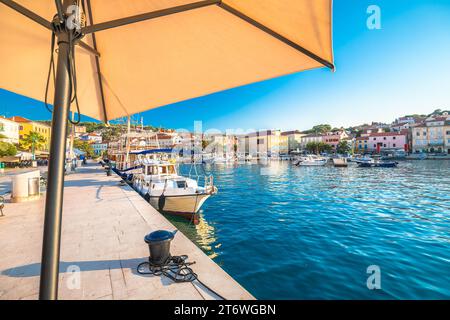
[285,232]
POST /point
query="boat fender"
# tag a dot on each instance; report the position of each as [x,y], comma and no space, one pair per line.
[161,202]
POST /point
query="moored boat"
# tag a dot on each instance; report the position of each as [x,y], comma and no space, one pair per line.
[161,185]
[312,161]
[376,163]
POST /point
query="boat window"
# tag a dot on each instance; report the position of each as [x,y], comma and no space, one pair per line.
[163,170]
[171,169]
[181,184]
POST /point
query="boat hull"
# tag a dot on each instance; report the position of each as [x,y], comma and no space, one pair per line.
[180,204]
[312,164]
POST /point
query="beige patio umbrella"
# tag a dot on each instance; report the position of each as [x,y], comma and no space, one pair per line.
[132,56]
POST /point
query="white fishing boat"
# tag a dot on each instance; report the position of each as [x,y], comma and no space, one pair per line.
[312,161]
[161,185]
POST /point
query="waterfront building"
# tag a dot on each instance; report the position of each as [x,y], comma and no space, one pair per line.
[99,148]
[10,130]
[362,145]
[163,140]
[221,144]
[294,139]
[26,126]
[386,141]
[263,143]
[316,138]
[432,135]
[334,138]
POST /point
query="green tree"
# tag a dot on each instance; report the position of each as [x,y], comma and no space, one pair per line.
[323,147]
[312,147]
[321,128]
[7,149]
[84,146]
[343,147]
[318,147]
[33,141]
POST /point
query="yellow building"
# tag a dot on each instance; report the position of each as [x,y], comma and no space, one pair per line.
[265,143]
[26,126]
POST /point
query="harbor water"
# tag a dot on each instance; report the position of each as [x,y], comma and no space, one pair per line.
[287,232]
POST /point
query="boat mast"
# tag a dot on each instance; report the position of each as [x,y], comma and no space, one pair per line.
[128,140]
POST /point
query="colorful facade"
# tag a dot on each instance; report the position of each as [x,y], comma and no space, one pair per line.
[433,135]
[26,126]
[387,141]
[333,139]
[263,143]
[294,139]
[362,145]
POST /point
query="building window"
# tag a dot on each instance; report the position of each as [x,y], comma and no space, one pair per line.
[393,138]
[374,145]
[384,138]
[394,145]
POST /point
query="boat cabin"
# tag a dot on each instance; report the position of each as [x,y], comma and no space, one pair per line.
[160,169]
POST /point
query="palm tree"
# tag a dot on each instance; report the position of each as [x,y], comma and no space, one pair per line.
[32,141]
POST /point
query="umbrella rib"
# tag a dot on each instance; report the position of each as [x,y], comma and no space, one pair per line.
[88,48]
[276,35]
[27,13]
[147,16]
[97,62]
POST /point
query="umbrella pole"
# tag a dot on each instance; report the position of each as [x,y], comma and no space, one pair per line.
[55,186]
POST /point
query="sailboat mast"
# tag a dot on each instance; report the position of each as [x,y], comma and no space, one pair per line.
[128,139]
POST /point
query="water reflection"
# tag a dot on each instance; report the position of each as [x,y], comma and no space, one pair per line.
[201,232]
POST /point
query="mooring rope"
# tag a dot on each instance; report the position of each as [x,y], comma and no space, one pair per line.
[175,268]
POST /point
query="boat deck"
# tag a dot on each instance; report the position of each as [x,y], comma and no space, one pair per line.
[104,224]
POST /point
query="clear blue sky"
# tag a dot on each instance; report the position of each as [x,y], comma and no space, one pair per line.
[381,74]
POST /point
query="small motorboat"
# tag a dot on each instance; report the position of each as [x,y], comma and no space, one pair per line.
[386,164]
[372,163]
[312,161]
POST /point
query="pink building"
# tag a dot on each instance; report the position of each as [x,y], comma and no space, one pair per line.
[387,141]
[333,139]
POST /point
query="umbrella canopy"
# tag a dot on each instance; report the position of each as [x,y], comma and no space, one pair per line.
[174,50]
